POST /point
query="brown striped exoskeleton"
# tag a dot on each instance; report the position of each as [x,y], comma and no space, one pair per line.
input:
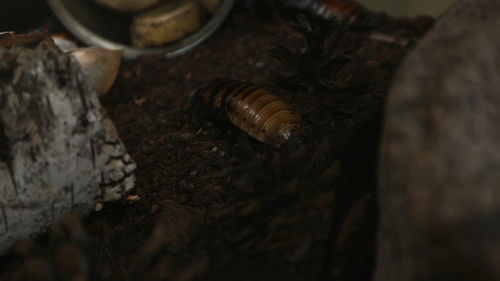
[252,108]
[348,10]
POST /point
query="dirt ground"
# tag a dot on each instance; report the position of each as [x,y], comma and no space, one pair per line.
[214,204]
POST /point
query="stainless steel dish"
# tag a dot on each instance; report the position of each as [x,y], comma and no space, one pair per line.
[101,27]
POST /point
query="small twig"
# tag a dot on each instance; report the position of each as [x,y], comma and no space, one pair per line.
[383,37]
[123,274]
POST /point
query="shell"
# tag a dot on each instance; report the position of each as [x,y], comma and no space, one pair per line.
[252,108]
[100,65]
[64,42]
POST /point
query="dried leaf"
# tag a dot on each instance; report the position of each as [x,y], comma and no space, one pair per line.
[349,225]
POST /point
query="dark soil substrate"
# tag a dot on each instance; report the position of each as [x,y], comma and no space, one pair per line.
[214,204]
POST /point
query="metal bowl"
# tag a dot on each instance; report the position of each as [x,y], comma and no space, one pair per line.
[96,25]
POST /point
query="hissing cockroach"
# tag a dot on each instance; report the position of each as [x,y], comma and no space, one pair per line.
[327,9]
[252,108]
[340,9]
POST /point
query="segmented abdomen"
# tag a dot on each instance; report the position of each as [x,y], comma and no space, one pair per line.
[254,109]
[340,9]
[327,9]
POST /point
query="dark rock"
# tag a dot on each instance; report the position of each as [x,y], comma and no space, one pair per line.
[439,195]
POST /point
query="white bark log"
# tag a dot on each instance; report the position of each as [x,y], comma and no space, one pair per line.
[58,149]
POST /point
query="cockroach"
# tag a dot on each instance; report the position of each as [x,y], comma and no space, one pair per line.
[252,108]
[341,9]
[328,9]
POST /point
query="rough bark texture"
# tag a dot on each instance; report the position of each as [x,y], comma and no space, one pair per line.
[439,187]
[58,149]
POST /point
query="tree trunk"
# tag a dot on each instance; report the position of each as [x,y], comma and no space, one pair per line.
[439,175]
[58,149]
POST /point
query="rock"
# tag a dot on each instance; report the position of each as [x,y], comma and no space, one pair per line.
[439,192]
[59,151]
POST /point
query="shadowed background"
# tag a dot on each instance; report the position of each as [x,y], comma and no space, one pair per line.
[21,15]
[409,7]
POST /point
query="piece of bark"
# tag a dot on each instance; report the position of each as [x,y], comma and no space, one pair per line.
[439,192]
[58,149]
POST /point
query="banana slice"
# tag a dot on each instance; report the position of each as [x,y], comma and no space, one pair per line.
[211,5]
[99,65]
[128,5]
[167,23]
